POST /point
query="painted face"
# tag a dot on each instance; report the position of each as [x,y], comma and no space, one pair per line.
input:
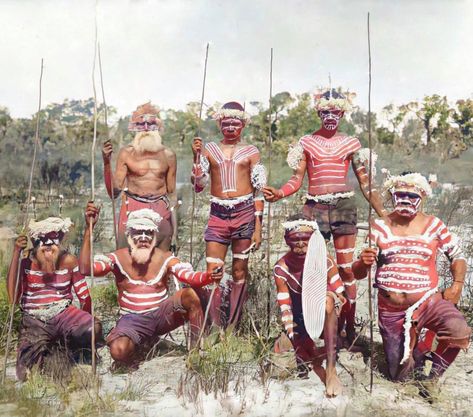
[231,127]
[141,244]
[49,239]
[298,241]
[46,250]
[146,122]
[406,203]
[330,118]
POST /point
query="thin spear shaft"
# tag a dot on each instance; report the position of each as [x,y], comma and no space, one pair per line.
[92,197]
[268,221]
[25,222]
[370,300]
[197,159]
[114,214]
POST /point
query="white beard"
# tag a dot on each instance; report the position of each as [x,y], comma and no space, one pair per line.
[149,141]
[141,256]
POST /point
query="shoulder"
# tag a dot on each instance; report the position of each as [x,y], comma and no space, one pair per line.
[304,140]
[169,153]
[68,261]
[352,143]
[125,151]
[281,267]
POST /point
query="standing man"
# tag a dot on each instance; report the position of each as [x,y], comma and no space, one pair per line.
[141,272]
[405,245]
[146,173]
[47,276]
[236,176]
[326,157]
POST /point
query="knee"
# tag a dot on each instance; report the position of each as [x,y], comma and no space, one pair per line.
[239,274]
[190,300]
[121,349]
[329,305]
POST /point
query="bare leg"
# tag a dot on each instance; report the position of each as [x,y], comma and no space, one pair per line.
[191,303]
[122,350]
[344,247]
[217,314]
[333,385]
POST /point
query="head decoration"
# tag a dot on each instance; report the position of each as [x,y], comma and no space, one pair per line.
[232,109]
[332,99]
[145,118]
[51,224]
[296,223]
[415,181]
[144,219]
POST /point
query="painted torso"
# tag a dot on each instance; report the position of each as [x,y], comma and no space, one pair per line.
[139,294]
[328,161]
[41,290]
[406,267]
[230,174]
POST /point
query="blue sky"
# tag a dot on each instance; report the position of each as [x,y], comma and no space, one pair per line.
[154,50]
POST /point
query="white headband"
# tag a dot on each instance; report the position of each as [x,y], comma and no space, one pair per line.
[294,224]
[144,219]
[415,180]
[51,224]
[235,113]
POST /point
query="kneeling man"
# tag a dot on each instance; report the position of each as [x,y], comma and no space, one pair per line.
[310,298]
[405,245]
[141,274]
[47,276]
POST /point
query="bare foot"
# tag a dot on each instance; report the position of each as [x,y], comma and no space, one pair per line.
[333,385]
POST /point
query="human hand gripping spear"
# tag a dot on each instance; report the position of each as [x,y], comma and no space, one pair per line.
[268,222]
[197,156]
[92,198]
[25,223]
[197,162]
[370,299]
[107,139]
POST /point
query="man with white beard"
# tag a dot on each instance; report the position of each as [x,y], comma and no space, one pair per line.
[141,274]
[47,276]
[146,173]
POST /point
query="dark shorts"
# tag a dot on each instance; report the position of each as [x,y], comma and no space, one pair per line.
[70,328]
[339,218]
[142,328]
[227,224]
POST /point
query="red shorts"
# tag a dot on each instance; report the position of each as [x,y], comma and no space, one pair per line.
[143,328]
[71,328]
[230,223]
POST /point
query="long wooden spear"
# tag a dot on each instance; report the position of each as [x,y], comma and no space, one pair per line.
[268,221]
[25,223]
[197,159]
[370,211]
[92,198]
[114,214]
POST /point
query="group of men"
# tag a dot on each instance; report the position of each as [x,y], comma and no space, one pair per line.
[316,293]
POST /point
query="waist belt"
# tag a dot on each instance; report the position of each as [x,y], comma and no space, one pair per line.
[148,198]
[332,198]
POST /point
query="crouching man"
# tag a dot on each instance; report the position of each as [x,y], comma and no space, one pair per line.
[405,245]
[47,276]
[310,298]
[141,274]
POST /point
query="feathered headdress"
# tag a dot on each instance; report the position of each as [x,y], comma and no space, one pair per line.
[232,109]
[332,99]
